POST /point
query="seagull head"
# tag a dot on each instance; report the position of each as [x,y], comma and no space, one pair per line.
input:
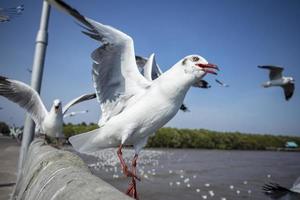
[198,66]
[291,80]
[57,105]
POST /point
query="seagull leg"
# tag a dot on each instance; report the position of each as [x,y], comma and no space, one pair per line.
[127,172]
[132,186]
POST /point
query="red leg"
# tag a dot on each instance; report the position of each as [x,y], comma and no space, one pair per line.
[124,166]
[132,186]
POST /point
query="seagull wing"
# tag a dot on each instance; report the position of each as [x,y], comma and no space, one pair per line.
[148,66]
[77,100]
[288,90]
[115,73]
[25,97]
[275,72]
[275,190]
[218,81]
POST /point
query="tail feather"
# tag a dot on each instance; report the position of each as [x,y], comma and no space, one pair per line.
[84,143]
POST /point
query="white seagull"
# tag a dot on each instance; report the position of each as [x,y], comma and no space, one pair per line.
[133,107]
[6,14]
[276,79]
[48,123]
[151,71]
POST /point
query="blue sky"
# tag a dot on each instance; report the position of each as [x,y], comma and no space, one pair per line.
[237,35]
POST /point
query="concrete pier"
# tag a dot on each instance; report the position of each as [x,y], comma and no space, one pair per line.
[50,173]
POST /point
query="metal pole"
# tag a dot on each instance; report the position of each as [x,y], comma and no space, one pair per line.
[36,80]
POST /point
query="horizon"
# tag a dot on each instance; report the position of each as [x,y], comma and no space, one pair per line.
[236,35]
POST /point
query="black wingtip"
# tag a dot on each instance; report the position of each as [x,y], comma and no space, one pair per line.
[3,78]
[275,191]
[61,5]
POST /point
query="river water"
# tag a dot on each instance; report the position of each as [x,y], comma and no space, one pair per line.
[199,174]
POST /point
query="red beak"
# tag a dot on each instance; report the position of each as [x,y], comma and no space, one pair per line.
[209,68]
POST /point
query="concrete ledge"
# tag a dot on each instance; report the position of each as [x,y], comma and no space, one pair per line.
[55,174]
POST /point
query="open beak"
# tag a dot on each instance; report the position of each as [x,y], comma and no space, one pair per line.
[56,109]
[209,68]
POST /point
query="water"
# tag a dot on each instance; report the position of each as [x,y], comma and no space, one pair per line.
[199,174]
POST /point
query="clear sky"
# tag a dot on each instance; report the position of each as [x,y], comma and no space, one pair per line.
[237,35]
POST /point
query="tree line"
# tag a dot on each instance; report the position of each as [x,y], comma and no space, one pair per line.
[201,138]
[194,138]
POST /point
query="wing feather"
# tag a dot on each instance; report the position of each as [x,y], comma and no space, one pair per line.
[275,71]
[84,97]
[25,97]
[288,90]
[115,73]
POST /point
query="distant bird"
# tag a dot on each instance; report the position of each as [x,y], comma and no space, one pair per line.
[133,107]
[276,79]
[6,14]
[29,70]
[72,114]
[151,71]
[221,83]
[48,123]
[276,191]
[1,108]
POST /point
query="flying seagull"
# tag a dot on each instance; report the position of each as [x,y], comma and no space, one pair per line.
[48,123]
[221,83]
[276,191]
[133,107]
[72,114]
[6,14]
[151,71]
[276,79]
[29,70]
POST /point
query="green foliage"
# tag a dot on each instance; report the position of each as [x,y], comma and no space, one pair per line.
[73,129]
[200,138]
[205,139]
[4,128]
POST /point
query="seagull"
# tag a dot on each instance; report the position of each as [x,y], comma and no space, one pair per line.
[151,71]
[48,123]
[6,14]
[29,70]
[276,191]
[276,79]
[72,114]
[221,83]
[133,106]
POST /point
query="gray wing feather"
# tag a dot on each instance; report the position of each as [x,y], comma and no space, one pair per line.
[148,67]
[288,90]
[275,71]
[25,97]
[79,99]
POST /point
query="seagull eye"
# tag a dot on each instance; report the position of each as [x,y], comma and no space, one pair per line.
[195,59]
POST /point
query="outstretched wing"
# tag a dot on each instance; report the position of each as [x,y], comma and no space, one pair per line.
[275,191]
[288,90]
[79,99]
[115,73]
[25,97]
[275,72]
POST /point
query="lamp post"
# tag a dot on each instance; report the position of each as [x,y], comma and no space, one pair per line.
[36,80]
